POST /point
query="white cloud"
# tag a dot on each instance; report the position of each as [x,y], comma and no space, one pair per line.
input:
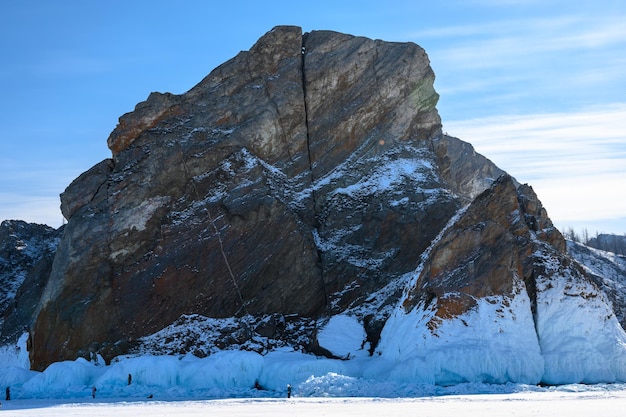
[31,209]
[545,33]
[576,162]
[559,56]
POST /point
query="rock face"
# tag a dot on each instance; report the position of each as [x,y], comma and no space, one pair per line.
[491,245]
[26,253]
[303,178]
[607,270]
[296,178]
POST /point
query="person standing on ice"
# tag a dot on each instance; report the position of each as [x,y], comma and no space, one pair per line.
[8,394]
[288,390]
[93,391]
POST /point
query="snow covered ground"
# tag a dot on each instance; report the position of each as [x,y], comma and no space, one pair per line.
[572,401]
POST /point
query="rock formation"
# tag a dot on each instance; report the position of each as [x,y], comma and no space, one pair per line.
[26,253]
[303,178]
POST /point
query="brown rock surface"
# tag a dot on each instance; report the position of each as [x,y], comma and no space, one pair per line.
[485,251]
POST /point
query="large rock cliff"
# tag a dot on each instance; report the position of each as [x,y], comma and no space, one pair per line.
[303,178]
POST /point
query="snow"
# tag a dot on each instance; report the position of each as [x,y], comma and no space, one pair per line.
[607,270]
[423,348]
[344,336]
[606,402]
[29,249]
[388,175]
[580,336]
[572,336]
[15,356]
[412,360]
[381,173]
[294,368]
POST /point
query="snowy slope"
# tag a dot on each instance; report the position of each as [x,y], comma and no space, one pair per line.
[567,342]
[487,344]
[567,334]
[571,336]
[607,270]
[26,252]
[581,339]
[22,245]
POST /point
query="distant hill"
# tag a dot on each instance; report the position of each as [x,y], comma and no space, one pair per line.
[609,243]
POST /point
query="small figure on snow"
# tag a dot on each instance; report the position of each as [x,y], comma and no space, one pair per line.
[130,379]
[93,391]
[8,394]
[288,390]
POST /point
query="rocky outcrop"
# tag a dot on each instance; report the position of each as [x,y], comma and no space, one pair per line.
[84,189]
[490,246]
[495,299]
[26,253]
[305,177]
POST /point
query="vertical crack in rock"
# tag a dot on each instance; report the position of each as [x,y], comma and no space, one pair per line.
[306,114]
[308,147]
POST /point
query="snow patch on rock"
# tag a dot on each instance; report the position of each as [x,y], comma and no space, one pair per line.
[343,336]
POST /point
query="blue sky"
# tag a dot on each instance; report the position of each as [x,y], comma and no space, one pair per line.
[538,87]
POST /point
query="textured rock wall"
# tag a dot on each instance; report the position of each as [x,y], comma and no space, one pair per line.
[300,177]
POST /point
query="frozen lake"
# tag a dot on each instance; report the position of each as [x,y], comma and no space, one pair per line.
[605,403]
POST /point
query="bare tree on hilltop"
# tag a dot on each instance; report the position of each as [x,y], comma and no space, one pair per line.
[603,241]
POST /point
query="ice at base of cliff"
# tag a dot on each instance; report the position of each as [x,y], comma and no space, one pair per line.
[579,343]
[581,339]
[235,373]
[422,347]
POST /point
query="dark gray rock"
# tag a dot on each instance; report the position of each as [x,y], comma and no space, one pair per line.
[26,253]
